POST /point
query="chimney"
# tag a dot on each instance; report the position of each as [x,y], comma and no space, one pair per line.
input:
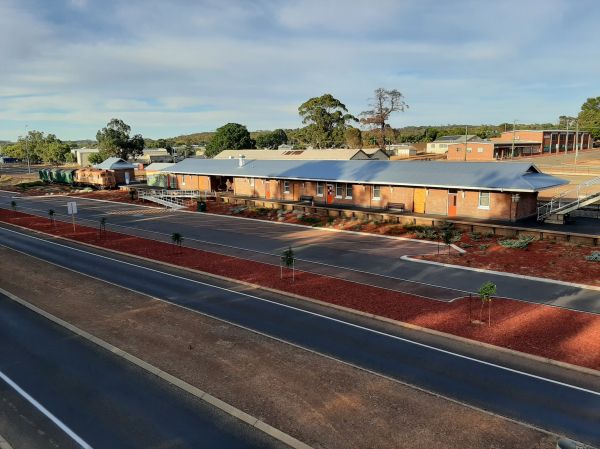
[241,160]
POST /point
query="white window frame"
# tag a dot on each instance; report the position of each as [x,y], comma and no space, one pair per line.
[469,149]
[349,186]
[480,149]
[251,181]
[183,180]
[320,186]
[489,200]
[286,187]
[378,197]
[339,188]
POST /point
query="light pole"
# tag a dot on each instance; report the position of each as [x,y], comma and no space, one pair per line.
[512,149]
[576,140]
[568,120]
[27,150]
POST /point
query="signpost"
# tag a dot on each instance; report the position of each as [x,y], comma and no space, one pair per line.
[72,210]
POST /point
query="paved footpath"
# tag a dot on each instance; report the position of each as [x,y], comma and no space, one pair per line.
[363,258]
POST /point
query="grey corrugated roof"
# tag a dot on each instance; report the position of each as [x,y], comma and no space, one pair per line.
[510,176]
[456,138]
[114,163]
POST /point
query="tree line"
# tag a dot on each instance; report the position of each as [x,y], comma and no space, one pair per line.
[328,124]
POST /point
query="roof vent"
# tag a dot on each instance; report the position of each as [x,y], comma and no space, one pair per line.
[241,160]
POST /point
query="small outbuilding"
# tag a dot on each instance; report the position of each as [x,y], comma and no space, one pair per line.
[124,171]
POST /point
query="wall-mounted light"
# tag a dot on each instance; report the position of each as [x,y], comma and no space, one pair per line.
[516,198]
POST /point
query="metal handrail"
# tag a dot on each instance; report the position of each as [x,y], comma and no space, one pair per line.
[555,204]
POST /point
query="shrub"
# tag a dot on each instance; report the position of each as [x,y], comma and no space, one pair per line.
[27,185]
[310,220]
[520,243]
[594,257]
[475,235]
[483,247]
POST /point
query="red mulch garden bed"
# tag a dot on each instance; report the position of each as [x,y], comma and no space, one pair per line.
[542,258]
[550,332]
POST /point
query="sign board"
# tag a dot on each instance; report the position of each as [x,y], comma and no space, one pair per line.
[71,207]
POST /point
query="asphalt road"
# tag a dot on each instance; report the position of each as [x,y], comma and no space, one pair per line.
[363,258]
[565,408]
[105,401]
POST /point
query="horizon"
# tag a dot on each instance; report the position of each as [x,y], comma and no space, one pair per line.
[167,71]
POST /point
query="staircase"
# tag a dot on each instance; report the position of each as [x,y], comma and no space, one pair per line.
[558,207]
[173,199]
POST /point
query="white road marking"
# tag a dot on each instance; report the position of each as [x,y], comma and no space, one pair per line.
[325,317]
[45,412]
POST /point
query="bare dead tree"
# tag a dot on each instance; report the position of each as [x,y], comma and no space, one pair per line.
[382,105]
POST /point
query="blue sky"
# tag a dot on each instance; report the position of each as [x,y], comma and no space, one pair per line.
[175,67]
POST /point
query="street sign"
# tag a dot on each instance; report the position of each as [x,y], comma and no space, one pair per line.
[71,207]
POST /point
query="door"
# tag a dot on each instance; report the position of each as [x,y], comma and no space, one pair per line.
[419,201]
[267,189]
[452,204]
[329,193]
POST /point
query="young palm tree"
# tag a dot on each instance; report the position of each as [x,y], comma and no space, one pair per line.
[51,215]
[13,204]
[287,259]
[177,239]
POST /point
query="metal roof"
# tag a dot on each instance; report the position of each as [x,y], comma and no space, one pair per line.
[456,138]
[289,154]
[114,163]
[509,176]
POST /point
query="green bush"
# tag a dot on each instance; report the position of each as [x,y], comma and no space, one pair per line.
[27,185]
[310,220]
[520,243]
[475,235]
[594,257]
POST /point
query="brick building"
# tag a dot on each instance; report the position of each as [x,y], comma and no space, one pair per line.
[549,140]
[490,150]
[453,189]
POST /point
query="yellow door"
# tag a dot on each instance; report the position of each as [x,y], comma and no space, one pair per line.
[419,200]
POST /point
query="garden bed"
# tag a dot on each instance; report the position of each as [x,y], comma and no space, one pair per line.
[541,258]
[569,336]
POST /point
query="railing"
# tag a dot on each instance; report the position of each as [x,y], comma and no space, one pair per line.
[563,202]
[175,199]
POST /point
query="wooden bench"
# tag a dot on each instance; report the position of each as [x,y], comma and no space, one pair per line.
[398,207]
[306,199]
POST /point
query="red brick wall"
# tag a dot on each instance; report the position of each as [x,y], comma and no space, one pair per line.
[193,182]
[456,151]
[436,202]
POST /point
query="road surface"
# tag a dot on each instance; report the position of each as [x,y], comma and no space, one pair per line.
[562,405]
[369,259]
[99,399]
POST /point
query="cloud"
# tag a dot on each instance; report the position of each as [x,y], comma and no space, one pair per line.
[169,68]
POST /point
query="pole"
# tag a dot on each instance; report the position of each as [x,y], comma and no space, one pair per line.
[466,132]
[512,150]
[27,150]
[576,141]
[73,215]
[567,137]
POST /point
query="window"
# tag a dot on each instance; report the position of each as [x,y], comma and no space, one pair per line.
[319,189]
[469,149]
[376,192]
[480,149]
[251,181]
[286,187]
[348,190]
[443,145]
[339,190]
[183,180]
[484,200]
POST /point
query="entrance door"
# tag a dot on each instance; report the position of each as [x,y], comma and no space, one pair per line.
[267,183]
[329,193]
[419,201]
[452,204]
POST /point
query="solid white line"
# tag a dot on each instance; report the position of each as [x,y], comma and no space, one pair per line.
[326,317]
[45,412]
[502,273]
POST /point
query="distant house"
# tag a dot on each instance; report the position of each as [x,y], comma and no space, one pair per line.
[332,154]
[124,171]
[151,155]
[82,155]
[549,140]
[285,146]
[490,150]
[440,145]
[156,178]
[402,150]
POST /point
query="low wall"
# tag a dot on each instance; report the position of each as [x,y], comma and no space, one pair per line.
[465,226]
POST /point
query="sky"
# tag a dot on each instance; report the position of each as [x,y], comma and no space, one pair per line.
[176,67]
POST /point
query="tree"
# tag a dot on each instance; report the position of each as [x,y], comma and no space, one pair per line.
[486,291]
[382,105]
[115,140]
[177,239]
[287,259]
[327,119]
[354,137]
[100,156]
[589,117]
[231,136]
[51,215]
[272,140]
[39,147]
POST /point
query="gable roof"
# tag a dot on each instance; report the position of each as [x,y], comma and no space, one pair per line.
[456,138]
[333,154]
[114,163]
[156,166]
[506,176]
